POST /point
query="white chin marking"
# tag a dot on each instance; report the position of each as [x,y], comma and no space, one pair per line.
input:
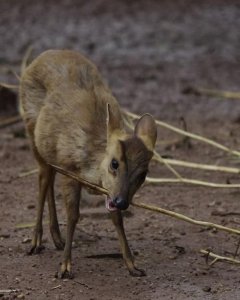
[109,204]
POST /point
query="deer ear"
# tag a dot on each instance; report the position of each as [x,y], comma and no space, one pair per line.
[113,120]
[110,121]
[146,130]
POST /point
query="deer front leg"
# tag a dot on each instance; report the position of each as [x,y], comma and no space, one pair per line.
[126,252]
[72,199]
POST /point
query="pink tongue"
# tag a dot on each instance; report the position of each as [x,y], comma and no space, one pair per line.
[110,205]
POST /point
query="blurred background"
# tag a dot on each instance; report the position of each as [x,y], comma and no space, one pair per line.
[148,51]
[154,55]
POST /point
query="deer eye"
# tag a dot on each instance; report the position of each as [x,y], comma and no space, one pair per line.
[114,164]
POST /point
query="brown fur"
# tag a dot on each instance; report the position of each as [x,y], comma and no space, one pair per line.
[73,121]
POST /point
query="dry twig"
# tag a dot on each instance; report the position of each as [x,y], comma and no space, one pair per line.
[212,93]
[26,58]
[9,86]
[191,181]
[8,291]
[56,287]
[159,158]
[28,173]
[28,225]
[23,67]
[188,164]
[225,213]
[185,218]
[83,181]
[10,121]
[237,248]
[219,257]
[83,284]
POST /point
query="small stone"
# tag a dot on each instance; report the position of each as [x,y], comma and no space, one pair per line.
[136,252]
[31,206]
[26,240]
[5,235]
[207,289]
[20,296]
[180,249]
[214,230]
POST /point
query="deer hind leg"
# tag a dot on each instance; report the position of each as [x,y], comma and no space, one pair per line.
[45,176]
[71,194]
[46,189]
[54,227]
[126,252]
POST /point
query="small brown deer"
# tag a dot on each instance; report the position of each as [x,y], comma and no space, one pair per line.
[73,121]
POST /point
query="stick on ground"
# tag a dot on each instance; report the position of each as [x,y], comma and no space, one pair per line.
[207,167]
[219,257]
[185,218]
[192,181]
[28,173]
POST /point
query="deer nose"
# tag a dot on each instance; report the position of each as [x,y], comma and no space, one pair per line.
[120,203]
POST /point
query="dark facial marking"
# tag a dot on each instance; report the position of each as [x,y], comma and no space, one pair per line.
[137,158]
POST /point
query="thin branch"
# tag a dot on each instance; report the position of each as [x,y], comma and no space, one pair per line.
[186,133]
[10,121]
[28,173]
[219,257]
[159,158]
[83,181]
[8,291]
[72,175]
[185,218]
[186,141]
[29,225]
[16,75]
[23,67]
[187,164]
[191,181]
[56,287]
[212,93]
[83,284]
[26,58]
[9,86]
[237,248]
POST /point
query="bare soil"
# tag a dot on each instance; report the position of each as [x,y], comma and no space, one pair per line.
[149,52]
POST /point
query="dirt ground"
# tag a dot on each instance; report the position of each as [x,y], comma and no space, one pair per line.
[149,52]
